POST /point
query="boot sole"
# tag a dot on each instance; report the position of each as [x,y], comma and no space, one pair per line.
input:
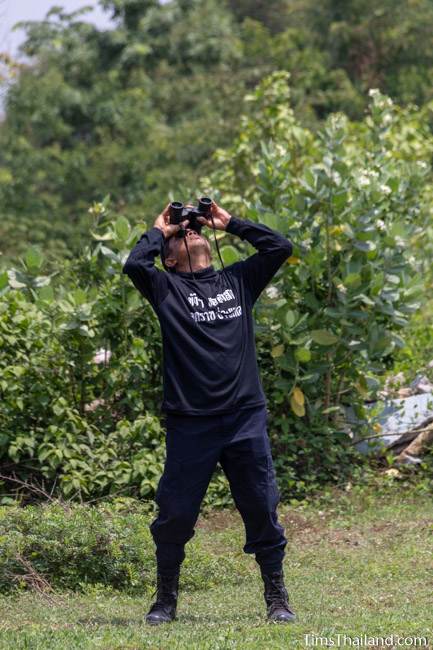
[281,620]
[150,622]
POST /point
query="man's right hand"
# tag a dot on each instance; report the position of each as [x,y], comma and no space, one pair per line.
[163,223]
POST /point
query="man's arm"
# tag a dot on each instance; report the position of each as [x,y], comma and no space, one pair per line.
[140,267]
[273,249]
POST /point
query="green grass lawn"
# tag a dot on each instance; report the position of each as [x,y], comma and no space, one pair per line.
[357,563]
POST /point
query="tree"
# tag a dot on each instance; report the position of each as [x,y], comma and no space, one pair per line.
[273,14]
[138,110]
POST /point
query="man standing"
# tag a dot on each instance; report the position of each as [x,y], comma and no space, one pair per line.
[214,403]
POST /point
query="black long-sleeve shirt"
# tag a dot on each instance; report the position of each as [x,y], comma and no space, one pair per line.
[209,353]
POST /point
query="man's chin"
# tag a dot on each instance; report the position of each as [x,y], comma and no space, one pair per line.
[197,241]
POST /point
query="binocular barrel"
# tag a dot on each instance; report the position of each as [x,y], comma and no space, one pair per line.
[177,208]
[204,204]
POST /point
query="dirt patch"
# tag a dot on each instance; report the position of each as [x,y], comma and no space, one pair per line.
[219,520]
[311,531]
[308,530]
[298,525]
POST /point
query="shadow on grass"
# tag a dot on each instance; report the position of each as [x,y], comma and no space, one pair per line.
[181,619]
[112,620]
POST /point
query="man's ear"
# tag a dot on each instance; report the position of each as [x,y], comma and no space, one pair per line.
[170,262]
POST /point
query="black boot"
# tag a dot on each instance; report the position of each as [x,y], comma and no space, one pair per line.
[163,609]
[277,598]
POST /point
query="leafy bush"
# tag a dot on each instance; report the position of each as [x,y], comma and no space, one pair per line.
[74,419]
[47,382]
[417,355]
[355,201]
[354,198]
[98,110]
[72,547]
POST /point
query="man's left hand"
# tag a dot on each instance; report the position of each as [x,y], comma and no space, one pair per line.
[220,218]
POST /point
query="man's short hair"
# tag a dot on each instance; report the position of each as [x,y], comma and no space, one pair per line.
[165,252]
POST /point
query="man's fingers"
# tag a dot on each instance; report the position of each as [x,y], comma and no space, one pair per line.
[165,214]
[174,227]
[208,222]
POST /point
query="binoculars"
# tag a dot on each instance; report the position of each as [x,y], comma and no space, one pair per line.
[179,213]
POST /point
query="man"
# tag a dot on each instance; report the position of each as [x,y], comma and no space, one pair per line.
[214,403]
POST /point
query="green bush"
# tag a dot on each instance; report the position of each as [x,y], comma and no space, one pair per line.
[354,198]
[72,547]
[416,356]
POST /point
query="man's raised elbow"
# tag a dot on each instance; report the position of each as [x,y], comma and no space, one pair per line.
[287,247]
[128,268]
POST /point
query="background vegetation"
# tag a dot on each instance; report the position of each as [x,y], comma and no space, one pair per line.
[316,123]
[137,111]
[314,119]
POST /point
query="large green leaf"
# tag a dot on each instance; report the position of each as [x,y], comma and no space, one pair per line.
[323,337]
[229,254]
[290,318]
[303,354]
[79,296]
[339,200]
[3,280]
[122,228]
[46,293]
[33,258]
[270,219]
[352,280]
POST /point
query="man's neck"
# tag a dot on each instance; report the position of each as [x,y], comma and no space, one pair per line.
[197,264]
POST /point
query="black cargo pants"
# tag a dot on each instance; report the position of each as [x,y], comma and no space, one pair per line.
[194,445]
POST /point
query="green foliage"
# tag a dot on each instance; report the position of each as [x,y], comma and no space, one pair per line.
[64,415]
[80,375]
[74,547]
[359,560]
[355,200]
[67,415]
[138,110]
[386,45]
[272,14]
[416,356]
[103,112]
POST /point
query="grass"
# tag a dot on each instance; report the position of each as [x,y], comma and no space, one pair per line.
[357,562]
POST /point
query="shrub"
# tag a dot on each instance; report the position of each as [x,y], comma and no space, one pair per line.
[72,547]
[354,198]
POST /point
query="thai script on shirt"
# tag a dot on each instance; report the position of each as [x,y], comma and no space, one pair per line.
[212,314]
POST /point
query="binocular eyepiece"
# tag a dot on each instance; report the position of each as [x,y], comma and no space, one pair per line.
[178,213]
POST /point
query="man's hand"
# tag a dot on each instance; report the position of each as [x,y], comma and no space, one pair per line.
[163,223]
[220,217]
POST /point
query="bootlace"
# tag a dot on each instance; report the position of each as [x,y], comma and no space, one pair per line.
[279,603]
[163,592]
[158,605]
[276,594]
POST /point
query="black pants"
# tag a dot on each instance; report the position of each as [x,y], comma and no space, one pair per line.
[194,445]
